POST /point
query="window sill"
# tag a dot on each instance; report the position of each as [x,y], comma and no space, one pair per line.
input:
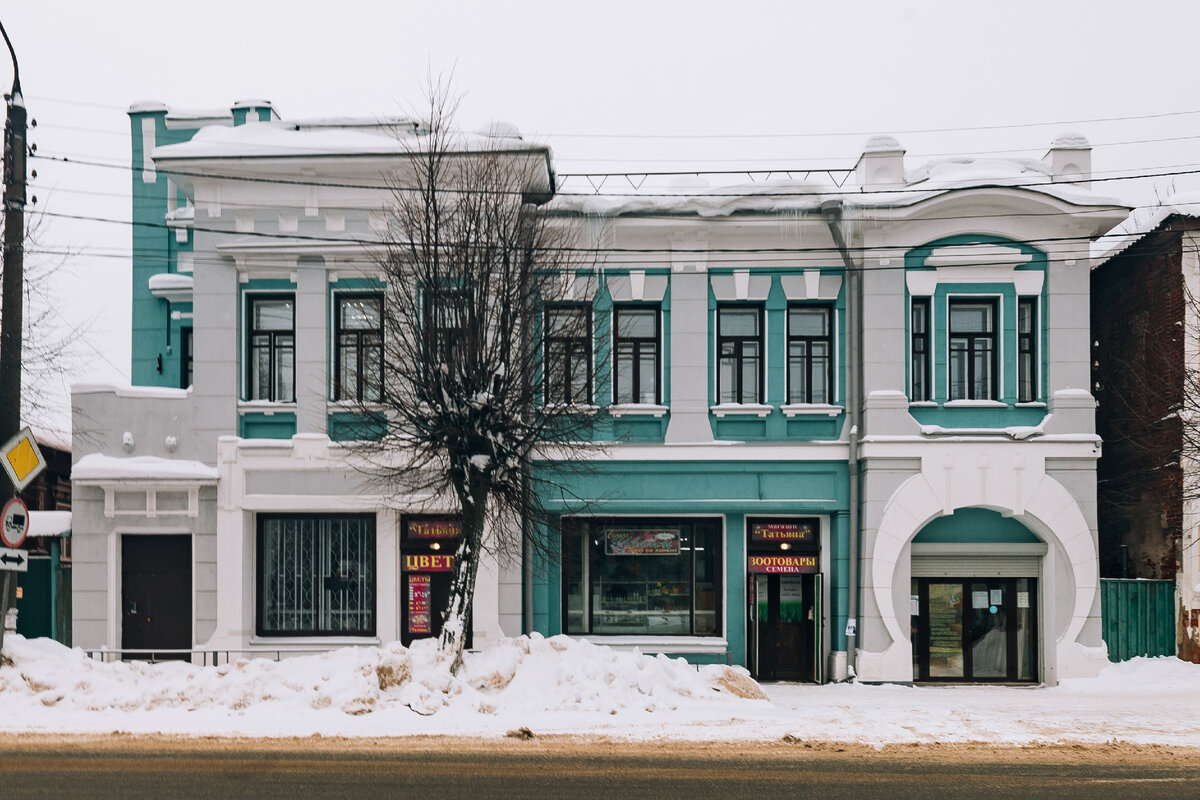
[573,408]
[660,644]
[741,410]
[267,407]
[922,404]
[353,405]
[811,410]
[304,644]
[1032,404]
[974,404]
[637,410]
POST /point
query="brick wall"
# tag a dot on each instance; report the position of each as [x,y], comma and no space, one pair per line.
[1138,306]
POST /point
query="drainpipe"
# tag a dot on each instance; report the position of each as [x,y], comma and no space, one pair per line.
[832,210]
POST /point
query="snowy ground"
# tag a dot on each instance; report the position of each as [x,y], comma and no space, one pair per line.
[562,686]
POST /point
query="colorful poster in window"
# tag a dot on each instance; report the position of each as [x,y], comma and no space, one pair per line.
[794,531]
[434,529]
[418,605]
[423,562]
[641,542]
[783,565]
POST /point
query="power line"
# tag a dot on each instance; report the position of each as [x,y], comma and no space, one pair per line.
[917,189]
[794,135]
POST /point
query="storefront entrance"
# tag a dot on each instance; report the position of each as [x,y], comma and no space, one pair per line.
[784,602]
[784,614]
[974,630]
[427,564]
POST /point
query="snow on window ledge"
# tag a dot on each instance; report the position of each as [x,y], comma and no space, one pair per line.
[741,410]
[923,404]
[572,408]
[975,404]
[661,644]
[1032,404]
[811,409]
[267,407]
[637,410]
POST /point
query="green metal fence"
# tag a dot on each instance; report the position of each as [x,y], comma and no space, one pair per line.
[1138,617]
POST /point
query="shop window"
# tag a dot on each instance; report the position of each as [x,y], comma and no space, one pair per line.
[972,337]
[739,354]
[358,356]
[636,354]
[567,356]
[316,575]
[1027,390]
[652,576]
[272,353]
[919,350]
[810,354]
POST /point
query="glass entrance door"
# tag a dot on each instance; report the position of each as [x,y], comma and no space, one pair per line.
[974,629]
[783,625]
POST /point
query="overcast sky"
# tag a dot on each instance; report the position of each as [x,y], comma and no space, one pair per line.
[708,85]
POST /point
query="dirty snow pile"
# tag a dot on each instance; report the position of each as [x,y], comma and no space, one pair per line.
[566,686]
[46,686]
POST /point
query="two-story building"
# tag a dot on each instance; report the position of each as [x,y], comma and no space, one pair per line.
[846,428]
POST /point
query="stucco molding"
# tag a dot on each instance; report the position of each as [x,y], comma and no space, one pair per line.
[1012,484]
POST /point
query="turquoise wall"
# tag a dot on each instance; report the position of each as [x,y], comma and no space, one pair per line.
[731,489]
[979,417]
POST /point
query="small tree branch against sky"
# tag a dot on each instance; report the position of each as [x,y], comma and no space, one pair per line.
[474,273]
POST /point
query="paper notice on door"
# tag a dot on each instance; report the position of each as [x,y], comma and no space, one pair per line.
[914,605]
[997,597]
[1022,599]
[979,600]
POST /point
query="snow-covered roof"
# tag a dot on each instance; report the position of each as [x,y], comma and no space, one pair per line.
[49,523]
[153,392]
[924,182]
[1142,221]
[283,139]
[97,467]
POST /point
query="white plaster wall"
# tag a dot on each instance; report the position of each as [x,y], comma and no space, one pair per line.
[1010,478]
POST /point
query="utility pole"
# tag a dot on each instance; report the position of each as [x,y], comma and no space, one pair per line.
[12,291]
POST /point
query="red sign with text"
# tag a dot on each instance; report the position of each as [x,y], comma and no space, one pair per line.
[783,565]
[418,605]
[428,563]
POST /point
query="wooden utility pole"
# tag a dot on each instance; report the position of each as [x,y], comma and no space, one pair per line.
[12,290]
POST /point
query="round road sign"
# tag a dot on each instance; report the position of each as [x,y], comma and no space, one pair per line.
[14,523]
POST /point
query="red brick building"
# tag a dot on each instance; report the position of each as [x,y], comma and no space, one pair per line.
[1146,345]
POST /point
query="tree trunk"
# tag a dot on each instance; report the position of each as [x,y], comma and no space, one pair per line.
[473,497]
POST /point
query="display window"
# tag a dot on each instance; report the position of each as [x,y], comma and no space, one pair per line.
[974,629]
[642,576]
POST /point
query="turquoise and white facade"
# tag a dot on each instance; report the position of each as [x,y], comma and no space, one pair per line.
[827,419]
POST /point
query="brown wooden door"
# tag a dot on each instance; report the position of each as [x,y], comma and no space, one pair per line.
[156,594]
[783,623]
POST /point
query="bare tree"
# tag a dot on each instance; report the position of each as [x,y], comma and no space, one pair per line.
[476,278]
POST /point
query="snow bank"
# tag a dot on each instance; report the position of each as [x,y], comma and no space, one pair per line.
[50,687]
[564,686]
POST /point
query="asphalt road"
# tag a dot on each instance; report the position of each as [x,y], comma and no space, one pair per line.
[161,767]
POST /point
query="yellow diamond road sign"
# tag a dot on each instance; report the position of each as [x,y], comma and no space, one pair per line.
[22,459]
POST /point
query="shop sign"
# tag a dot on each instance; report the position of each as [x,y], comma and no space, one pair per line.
[794,531]
[421,562]
[434,529]
[625,542]
[418,605]
[783,565]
